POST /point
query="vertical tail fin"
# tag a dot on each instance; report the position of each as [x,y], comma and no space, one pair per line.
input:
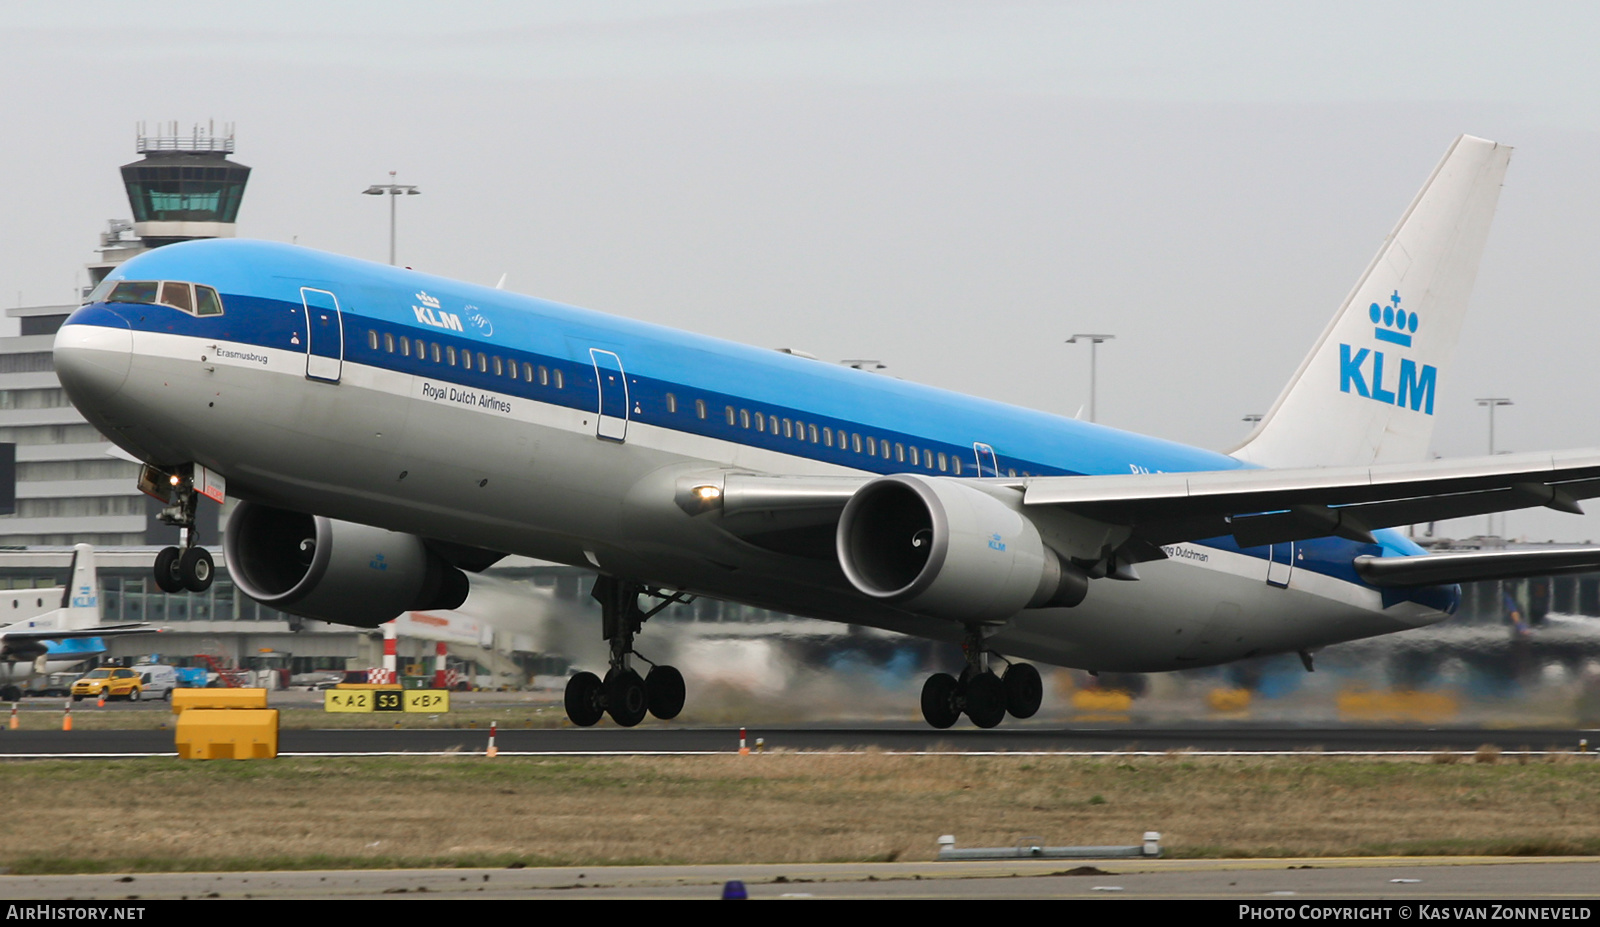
[80,601]
[1365,393]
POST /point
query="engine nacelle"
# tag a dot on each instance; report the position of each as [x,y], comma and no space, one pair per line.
[943,548]
[336,571]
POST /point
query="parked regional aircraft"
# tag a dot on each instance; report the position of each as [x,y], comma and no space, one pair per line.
[57,640]
[387,430]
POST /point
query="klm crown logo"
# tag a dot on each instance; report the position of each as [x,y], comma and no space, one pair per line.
[1361,371]
[429,313]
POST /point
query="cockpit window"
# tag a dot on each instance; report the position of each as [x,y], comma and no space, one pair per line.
[193,298]
[133,291]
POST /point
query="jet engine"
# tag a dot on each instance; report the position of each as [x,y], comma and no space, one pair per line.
[336,571]
[944,548]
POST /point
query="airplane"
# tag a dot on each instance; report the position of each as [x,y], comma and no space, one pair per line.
[57,640]
[387,431]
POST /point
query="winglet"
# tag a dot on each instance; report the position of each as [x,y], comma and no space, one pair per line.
[1365,393]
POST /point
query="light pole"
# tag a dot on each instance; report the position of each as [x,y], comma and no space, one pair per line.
[1490,403]
[393,190]
[1094,343]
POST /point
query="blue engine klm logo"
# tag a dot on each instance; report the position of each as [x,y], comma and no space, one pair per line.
[1413,388]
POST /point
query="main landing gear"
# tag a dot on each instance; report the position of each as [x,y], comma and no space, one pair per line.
[188,566]
[623,694]
[979,693]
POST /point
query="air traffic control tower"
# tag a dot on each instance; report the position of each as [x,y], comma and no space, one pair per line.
[182,189]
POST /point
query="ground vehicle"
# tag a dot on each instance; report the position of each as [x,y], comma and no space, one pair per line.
[157,679]
[111,681]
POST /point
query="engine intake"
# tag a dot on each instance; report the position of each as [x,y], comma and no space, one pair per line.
[336,571]
[943,548]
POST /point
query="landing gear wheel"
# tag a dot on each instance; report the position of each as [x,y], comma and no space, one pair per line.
[986,699]
[1024,690]
[195,569]
[583,700]
[939,696]
[626,698]
[664,691]
[166,570]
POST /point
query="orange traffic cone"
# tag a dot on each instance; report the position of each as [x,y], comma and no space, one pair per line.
[102,702]
[14,723]
[66,719]
[493,750]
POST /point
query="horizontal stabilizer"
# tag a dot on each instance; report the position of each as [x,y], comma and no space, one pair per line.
[1472,566]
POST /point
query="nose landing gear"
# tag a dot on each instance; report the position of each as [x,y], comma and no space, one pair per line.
[187,566]
[623,694]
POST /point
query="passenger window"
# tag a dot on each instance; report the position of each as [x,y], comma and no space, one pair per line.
[899,452]
[761,422]
[560,381]
[527,371]
[544,375]
[483,362]
[855,443]
[955,463]
[177,296]
[943,461]
[700,408]
[388,342]
[744,418]
[812,430]
[405,346]
[672,403]
[437,354]
[372,339]
[872,446]
[827,437]
[451,351]
[500,368]
[729,411]
[788,428]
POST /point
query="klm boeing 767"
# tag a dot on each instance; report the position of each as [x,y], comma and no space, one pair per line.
[386,430]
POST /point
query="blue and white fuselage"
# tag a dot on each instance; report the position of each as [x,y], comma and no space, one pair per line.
[494,421]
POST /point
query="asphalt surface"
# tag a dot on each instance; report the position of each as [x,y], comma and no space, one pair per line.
[889,736]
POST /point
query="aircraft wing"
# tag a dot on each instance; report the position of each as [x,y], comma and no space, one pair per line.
[1473,565]
[1255,506]
[1274,506]
[8,637]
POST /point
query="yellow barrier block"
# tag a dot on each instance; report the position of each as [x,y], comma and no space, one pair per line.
[1398,706]
[1101,700]
[186,699]
[1228,699]
[228,734]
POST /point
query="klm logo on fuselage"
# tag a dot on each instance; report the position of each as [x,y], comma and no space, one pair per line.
[429,313]
[1405,383]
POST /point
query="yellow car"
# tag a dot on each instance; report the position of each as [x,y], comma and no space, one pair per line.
[113,681]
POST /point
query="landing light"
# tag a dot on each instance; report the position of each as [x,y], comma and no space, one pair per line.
[174,479]
[708,493]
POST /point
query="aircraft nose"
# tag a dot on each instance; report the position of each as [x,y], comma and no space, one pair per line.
[93,352]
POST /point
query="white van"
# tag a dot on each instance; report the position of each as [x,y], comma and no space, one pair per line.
[158,680]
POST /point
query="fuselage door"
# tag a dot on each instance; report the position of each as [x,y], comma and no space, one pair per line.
[324,335]
[612,401]
[988,464]
[1280,564]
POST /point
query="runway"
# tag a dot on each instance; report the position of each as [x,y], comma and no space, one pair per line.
[898,737]
[1402,887]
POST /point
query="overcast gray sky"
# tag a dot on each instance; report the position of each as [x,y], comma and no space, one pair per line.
[951,187]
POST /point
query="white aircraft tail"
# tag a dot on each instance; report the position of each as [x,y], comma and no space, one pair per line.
[80,601]
[1365,394]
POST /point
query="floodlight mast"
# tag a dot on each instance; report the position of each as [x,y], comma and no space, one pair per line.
[393,190]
